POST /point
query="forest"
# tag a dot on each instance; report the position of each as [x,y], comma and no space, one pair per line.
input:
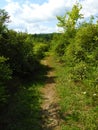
[74,53]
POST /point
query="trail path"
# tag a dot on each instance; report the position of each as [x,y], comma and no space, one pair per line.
[50,108]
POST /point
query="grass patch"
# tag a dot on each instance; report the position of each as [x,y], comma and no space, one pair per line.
[23,112]
[79,109]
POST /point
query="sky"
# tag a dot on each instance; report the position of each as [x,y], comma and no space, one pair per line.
[39,16]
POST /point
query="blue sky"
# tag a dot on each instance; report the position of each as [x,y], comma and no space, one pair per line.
[39,16]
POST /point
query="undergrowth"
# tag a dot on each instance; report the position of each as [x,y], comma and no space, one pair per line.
[23,112]
[79,103]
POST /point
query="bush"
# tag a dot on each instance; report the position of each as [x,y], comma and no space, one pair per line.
[39,50]
[5,75]
[79,71]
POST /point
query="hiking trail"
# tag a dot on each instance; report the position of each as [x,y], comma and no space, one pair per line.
[50,107]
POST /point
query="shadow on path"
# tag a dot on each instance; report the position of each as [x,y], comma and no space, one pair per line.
[50,107]
[24,112]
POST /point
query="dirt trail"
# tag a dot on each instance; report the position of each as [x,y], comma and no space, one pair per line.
[50,109]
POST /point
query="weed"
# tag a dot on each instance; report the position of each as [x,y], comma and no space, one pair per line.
[78,101]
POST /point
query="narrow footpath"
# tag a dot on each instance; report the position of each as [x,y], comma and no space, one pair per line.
[50,108]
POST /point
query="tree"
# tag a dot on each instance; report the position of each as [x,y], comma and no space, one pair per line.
[4,18]
[69,21]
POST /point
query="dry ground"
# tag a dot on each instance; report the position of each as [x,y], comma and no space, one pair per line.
[50,108]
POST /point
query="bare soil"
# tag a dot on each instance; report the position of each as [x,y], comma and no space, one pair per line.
[50,107]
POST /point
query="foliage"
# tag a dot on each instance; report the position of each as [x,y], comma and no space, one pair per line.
[69,21]
[4,19]
[78,43]
[5,76]
[5,72]
[77,73]
[59,44]
[40,49]
[20,56]
[78,100]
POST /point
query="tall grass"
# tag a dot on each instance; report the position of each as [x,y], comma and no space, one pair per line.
[79,105]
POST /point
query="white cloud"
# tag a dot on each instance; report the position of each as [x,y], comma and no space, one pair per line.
[32,17]
[90,7]
[8,0]
[39,28]
[30,14]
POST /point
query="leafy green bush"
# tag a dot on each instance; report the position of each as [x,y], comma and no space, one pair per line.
[79,72]
[5,75]
[39,50]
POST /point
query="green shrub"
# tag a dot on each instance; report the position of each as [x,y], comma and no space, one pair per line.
[39,50]
[5,75]
[79,71]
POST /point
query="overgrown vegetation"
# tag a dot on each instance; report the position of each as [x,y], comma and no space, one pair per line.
[21,76]
[76,51]
[78,101]
[21,73]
